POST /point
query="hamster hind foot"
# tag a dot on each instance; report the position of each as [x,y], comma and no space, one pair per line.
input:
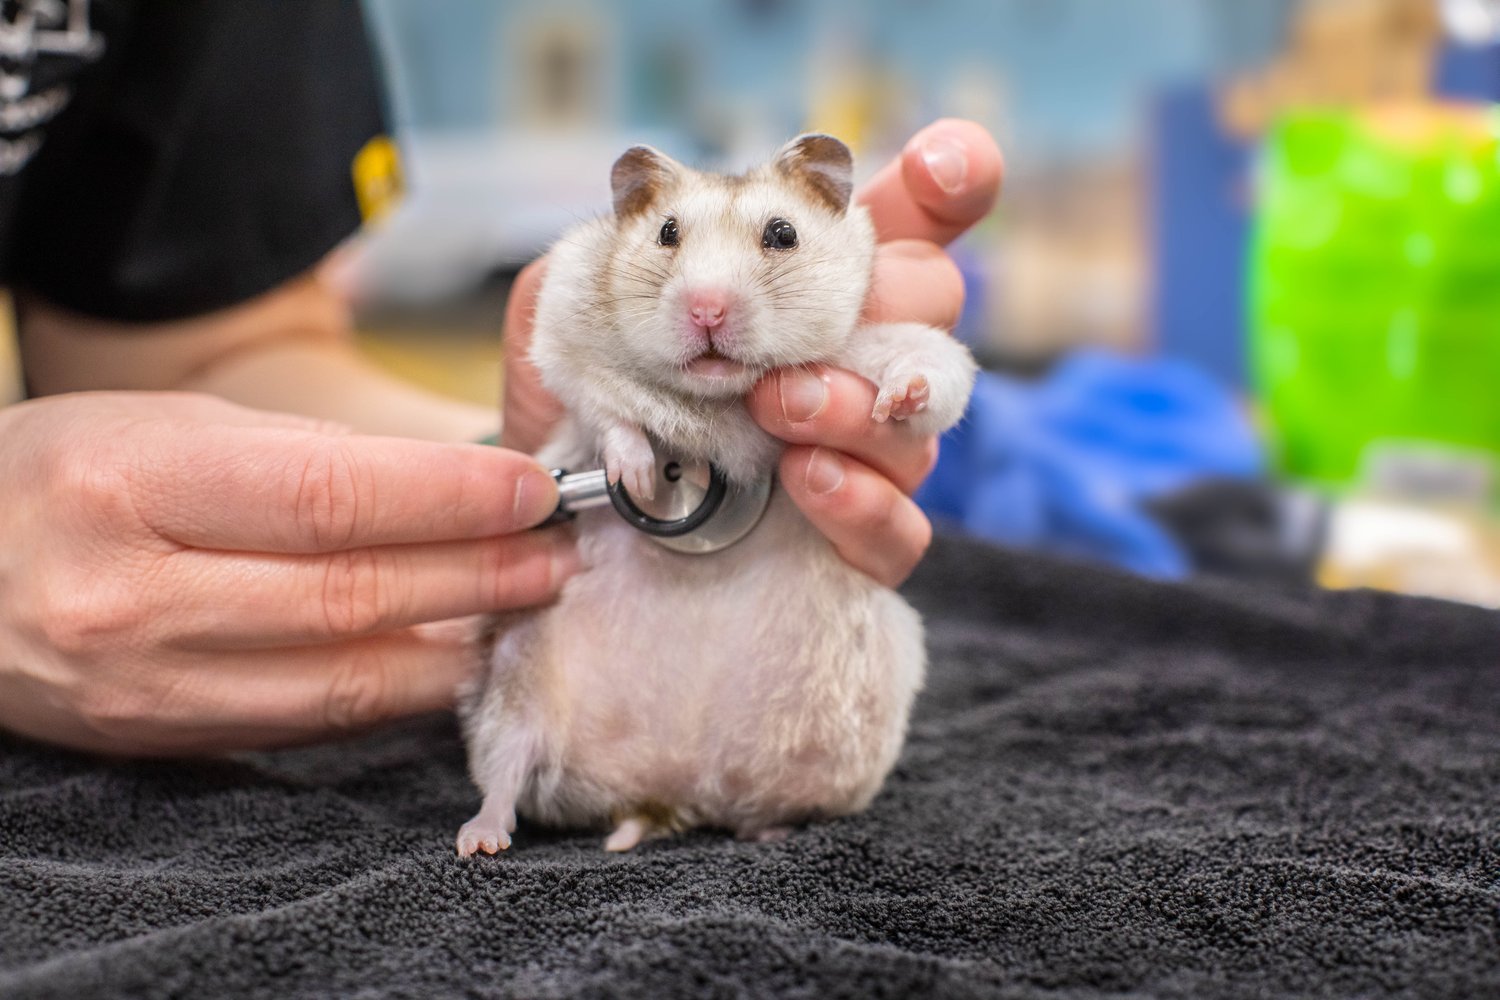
[502,770]
[490,829]
[627,835]
[647,821]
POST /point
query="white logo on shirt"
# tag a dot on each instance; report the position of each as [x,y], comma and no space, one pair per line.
[28,29]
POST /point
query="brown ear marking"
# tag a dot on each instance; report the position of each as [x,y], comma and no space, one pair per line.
[823,165]
[638,177]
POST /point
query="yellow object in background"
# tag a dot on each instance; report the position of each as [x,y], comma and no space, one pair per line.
[1449,551]
[1340,54]
[11,388]
[379,182]
[461,366]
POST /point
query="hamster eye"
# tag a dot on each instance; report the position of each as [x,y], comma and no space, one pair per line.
[668,237]
[779,235]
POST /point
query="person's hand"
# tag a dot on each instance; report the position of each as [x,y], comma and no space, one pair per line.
[179,574]
[852,478]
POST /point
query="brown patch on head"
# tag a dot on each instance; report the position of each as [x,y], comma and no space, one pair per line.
[638,178]
[823,167]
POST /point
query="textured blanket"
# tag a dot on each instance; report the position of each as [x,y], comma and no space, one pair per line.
[1112,788]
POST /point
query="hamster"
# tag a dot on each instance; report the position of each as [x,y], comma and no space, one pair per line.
[759,687]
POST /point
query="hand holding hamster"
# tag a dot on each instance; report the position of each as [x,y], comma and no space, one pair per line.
[766,685]
[851,479]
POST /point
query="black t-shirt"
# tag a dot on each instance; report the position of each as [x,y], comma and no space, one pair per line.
[161,158]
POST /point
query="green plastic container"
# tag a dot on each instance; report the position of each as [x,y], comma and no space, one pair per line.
[1375,291]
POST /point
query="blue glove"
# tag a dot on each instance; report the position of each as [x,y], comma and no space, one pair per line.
[1066,463]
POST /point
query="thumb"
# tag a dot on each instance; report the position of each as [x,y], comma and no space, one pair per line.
[530,410]
[945,180]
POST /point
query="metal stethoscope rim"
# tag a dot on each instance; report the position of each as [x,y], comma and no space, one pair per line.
[718,487]
[722,515]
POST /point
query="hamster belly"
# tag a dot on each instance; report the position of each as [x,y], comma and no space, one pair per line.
[765,684]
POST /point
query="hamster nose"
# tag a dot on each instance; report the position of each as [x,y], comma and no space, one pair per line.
[708,308]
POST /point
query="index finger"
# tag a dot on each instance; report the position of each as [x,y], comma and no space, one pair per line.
[945,180]
[271,490]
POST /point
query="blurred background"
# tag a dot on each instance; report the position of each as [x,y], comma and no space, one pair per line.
[512,111]
[1240,305]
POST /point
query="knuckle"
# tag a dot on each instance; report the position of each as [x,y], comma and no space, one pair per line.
[947,282]
[92,483]
[78,621]
[876,510]
[357,695]
[352,598]
[921,539]
[67,627]
[518,575]
[929,459]
[885,515]
[326,490]
[118,711]
[905,534]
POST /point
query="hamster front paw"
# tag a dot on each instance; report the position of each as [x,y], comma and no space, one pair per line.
[629,460]
[922,375]
[926,393]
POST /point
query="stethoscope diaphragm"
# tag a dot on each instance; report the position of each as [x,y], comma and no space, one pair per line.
[694,508]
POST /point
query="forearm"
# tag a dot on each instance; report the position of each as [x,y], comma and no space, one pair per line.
[331,381]
[289,350]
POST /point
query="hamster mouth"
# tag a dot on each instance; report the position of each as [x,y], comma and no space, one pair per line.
[713,365]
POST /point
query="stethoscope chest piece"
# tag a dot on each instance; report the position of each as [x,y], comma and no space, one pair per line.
[694,508]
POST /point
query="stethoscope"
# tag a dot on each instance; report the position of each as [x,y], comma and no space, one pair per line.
[695,509]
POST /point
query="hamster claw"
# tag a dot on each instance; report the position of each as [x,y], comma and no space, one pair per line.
[628,459]
[473,839]
[902,397]
[489,831]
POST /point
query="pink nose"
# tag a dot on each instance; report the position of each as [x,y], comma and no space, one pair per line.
[708,308]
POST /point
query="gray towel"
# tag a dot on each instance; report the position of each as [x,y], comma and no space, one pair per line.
[1112,788]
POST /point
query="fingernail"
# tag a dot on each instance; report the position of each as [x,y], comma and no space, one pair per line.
[803,396]
[947,162]
[825,473]
[536,498]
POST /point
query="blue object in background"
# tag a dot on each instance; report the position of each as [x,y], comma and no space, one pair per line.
[1470,72]
[1065,464]
[1200,194]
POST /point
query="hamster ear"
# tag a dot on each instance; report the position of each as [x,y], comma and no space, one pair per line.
[823,165]
[639,175]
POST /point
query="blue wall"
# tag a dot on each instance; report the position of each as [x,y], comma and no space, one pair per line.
[1076,72]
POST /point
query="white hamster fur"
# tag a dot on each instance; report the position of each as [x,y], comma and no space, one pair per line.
[759,687]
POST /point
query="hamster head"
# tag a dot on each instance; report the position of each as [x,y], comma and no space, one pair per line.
[710,281]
